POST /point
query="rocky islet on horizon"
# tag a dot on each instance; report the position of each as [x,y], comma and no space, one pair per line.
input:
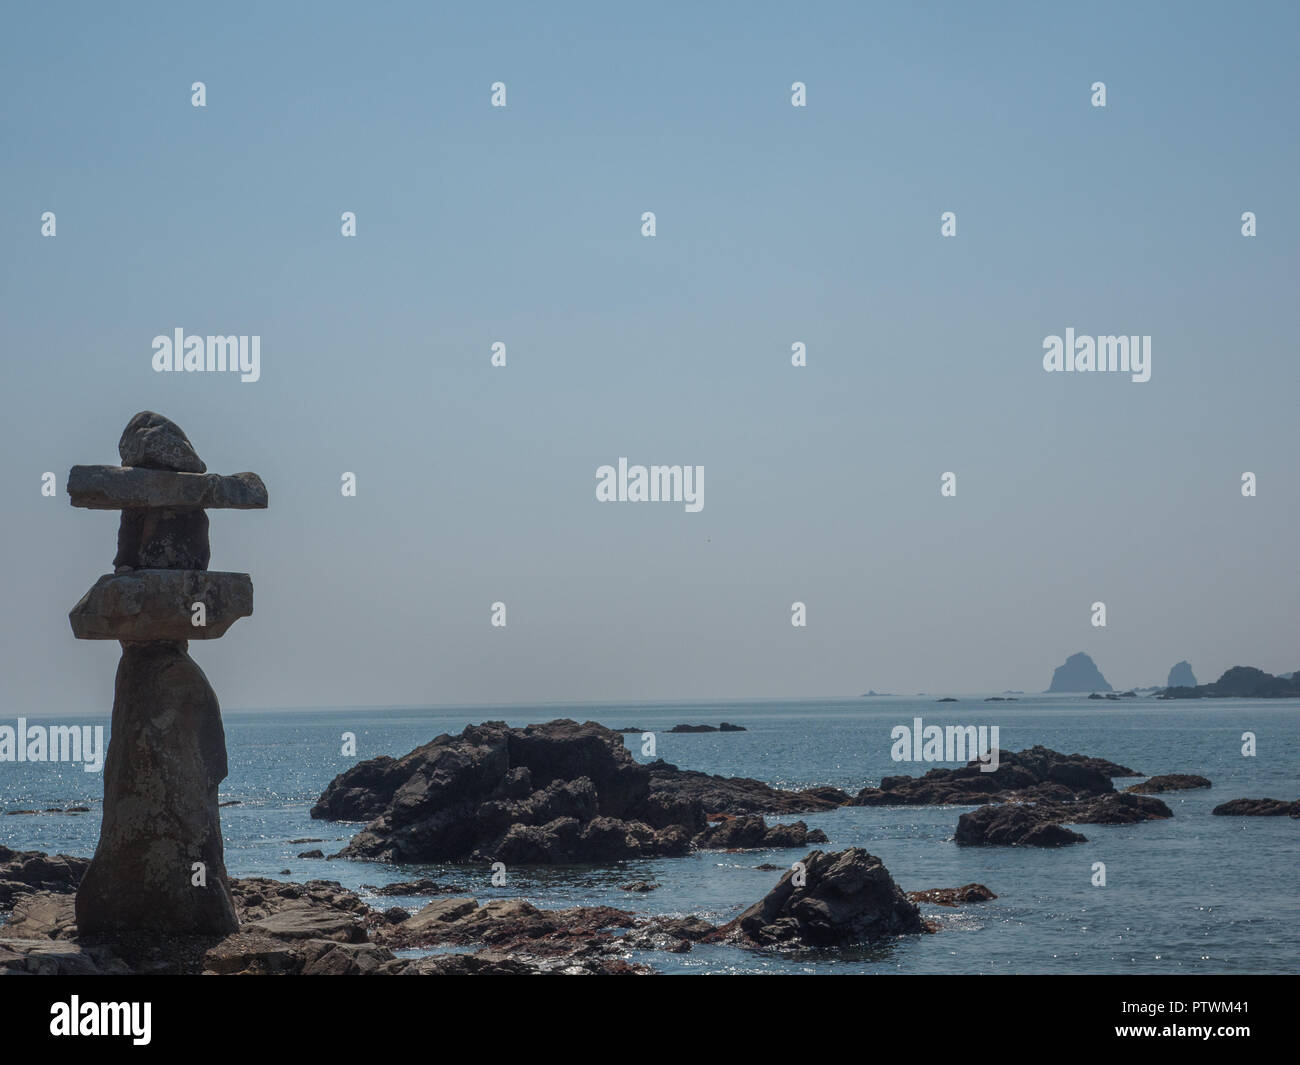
[1079,673]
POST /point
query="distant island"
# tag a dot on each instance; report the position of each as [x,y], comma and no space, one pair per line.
[1079,673]
[1240,682]
[1181,676]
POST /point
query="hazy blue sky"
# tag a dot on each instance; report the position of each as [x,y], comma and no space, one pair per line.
[775,224]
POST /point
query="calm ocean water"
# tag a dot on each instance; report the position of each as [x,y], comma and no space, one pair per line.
[1195,894]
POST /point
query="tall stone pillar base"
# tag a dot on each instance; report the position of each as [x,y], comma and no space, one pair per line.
[166,757]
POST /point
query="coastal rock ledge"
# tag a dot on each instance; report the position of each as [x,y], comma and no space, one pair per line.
[550,793]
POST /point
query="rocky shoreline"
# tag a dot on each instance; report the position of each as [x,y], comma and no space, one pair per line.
[321,928]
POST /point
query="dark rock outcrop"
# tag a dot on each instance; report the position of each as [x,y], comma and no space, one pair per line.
[321,928]
[672,787]
[1014,825]
[1239,682]
[1257,808]
[846,897]
[1078,674]
[751,831]
[1037,772]
[550,793]
[1042,824]
[1181,676]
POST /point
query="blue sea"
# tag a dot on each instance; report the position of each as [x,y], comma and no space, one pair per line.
[1194,894]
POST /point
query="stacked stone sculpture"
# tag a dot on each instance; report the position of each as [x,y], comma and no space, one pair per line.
[159,866]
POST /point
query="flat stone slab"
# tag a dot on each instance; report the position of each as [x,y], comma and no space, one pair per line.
[126,487]
[34,957]
[308,923]
[158,604]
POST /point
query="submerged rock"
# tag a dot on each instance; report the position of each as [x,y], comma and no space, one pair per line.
[726,726]
[953,896]
[1169,782]
[1257,808]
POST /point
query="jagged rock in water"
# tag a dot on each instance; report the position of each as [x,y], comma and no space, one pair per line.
[751,831]
[550,793]
[1169,782]
[1042,824]
[847,897]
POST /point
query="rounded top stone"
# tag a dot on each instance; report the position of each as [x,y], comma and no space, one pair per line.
[153,442]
